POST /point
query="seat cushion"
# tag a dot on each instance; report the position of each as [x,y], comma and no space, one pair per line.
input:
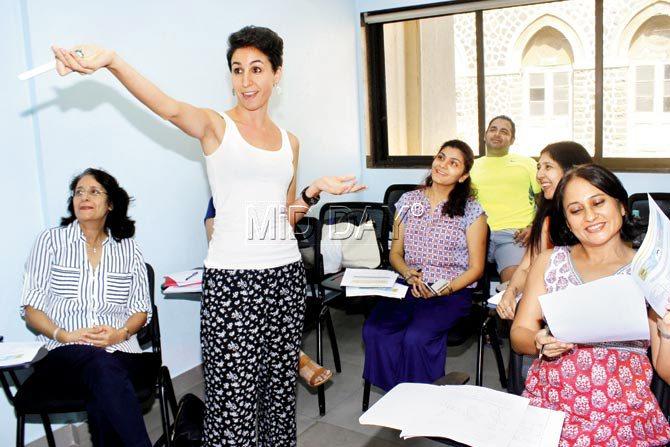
[48,391]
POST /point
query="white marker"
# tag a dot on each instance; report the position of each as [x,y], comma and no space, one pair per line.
[43,68]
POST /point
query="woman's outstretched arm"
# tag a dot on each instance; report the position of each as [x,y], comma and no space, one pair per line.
[194,121]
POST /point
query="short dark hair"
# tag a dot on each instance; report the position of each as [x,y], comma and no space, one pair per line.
[506,118]
[604,180]
[263,39]
[118,223]
[458,197]
[567,154]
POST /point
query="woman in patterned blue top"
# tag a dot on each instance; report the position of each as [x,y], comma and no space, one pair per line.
[86,294]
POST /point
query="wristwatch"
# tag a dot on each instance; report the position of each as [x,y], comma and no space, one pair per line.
[311,201]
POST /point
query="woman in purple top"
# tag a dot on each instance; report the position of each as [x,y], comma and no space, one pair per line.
[440,233]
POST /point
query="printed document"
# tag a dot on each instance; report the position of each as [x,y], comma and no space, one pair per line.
[397,291]
[651,264]
[16,353]
[369,278]
[458,413]
[607,309]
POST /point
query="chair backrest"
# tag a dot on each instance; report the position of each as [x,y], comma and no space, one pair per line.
[151,334]
[305,233]
[355,213]
[639,208]
[393,193]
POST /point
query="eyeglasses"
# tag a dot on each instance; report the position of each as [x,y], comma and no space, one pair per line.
[80,193]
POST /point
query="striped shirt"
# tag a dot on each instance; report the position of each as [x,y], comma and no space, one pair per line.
[60,282]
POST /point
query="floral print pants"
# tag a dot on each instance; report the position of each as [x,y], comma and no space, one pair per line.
[250,331]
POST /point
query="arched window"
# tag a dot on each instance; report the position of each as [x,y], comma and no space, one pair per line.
[547,63]
[649,84]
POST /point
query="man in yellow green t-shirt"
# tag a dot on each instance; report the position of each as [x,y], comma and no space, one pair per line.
[506,186]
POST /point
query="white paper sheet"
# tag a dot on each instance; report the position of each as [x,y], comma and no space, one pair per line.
[397,291]
[651,264]
[495,299]
[15,353]
[539,428]
[193,288]
[469,414]
[369,278]
[608,309]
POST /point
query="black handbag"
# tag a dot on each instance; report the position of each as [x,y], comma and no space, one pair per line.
[188,423]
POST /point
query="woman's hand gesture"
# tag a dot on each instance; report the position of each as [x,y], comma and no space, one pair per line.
[338,185]
[103,336]
[83,59]
[549,346]
[507,305]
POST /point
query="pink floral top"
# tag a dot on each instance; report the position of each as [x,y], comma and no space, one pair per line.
[433,242]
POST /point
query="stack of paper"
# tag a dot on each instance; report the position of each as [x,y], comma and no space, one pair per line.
[470,415]
[371,282]
[651,264]
[607,309]
[189,281]
[14,353]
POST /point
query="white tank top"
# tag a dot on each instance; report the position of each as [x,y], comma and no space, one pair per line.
[249,186]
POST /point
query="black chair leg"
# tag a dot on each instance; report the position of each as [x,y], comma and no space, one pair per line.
[165,418]
[46,422]
[515,379]
[366,395]
[333,341]
[480,353]
[321,394]
[495,344]
[319,359]
[20,430]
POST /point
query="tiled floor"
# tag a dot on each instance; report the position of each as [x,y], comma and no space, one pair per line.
[339,427]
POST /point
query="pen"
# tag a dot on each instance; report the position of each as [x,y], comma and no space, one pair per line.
[191,276]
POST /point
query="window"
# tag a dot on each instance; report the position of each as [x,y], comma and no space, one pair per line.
[637,122]
[430,84]
[443,71]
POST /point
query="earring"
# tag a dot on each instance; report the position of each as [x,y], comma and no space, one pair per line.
[277,89]
[233,90]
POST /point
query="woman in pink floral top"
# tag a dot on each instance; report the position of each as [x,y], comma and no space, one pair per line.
[602,388]
[440,233]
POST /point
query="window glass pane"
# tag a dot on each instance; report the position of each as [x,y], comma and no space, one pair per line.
[431,83]
[560,93]
[537,94]
[561,108]
[636,50]
[547,47]
[643,104]
[645,88]
[560,79]
[537,80]
[667,72]
[666,104]
[645,73]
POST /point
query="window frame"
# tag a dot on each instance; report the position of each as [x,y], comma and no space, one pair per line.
[372,24]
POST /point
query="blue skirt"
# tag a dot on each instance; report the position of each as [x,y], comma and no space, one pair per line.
[406,340]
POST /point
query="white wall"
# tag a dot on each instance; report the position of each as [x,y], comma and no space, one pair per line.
[75,122]
[379,179]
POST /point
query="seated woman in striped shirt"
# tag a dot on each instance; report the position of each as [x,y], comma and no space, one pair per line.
[86,293]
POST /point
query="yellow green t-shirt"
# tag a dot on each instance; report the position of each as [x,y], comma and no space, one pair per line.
[505,188]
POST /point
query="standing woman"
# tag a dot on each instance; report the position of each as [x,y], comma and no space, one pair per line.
[254,283]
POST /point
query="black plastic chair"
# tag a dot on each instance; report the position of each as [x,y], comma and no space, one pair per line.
[489,329]
[306,232]
[42,398]
[639,206]
[393,193]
